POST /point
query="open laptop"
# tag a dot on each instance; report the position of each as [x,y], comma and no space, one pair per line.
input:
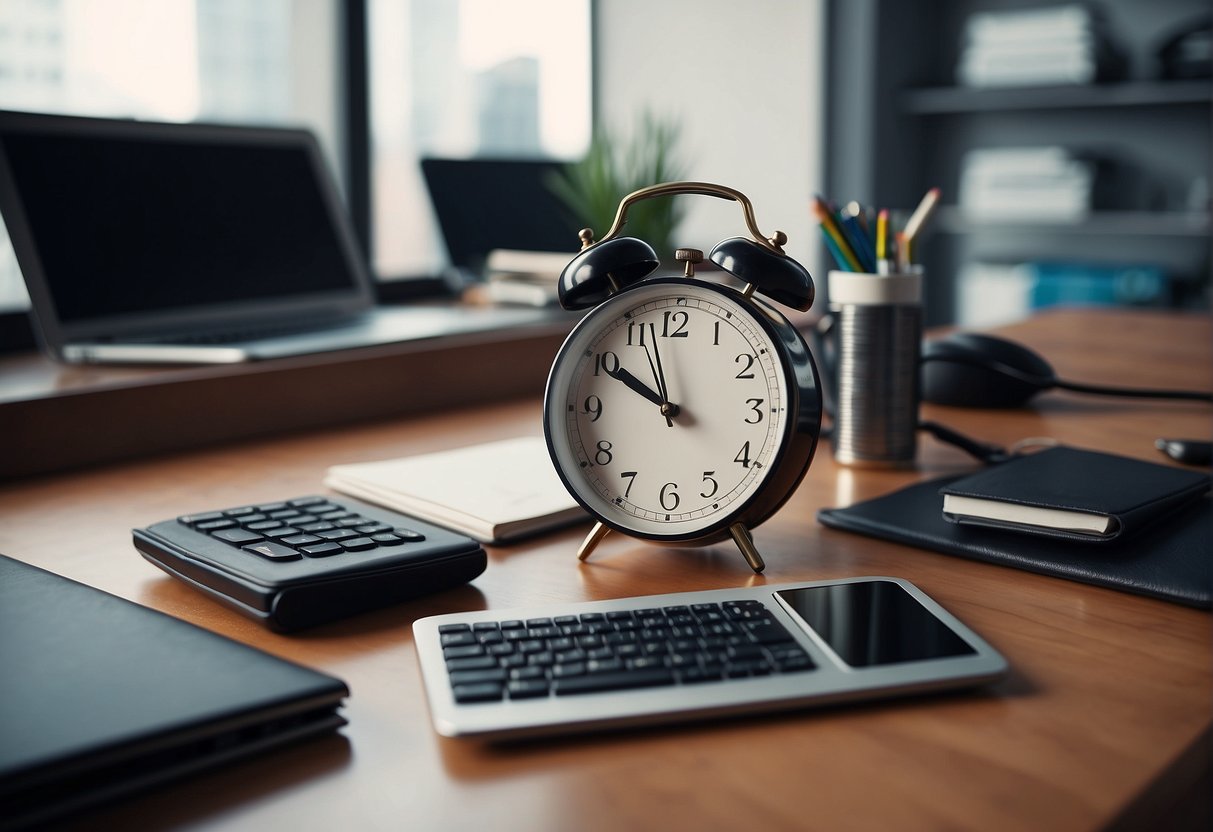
[485,204]
[103,697]
[193,243]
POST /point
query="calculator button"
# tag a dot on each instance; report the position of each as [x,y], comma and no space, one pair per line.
[306,501]
[236,536]
[372,528]
[358,544]
[321,550]
[315,527]
[215,525]
[273,551]
[192,519]
[238,512]
[321,508]
[264,524]
[300,539]
[410,535]
[268,507]
[256,517]
[386,539]
[336,534]
[279,534]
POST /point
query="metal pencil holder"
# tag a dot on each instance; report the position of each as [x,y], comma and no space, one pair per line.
[877,332]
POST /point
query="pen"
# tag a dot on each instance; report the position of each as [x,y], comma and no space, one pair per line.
[824,218]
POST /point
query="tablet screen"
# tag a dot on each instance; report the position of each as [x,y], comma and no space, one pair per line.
[869,623]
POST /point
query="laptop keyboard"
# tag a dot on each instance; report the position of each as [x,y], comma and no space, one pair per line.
[489,661]
[307,527]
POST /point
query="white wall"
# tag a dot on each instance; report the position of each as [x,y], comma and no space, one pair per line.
[746,80]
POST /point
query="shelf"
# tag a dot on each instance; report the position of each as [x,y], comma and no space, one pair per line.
[957,100]
[952,220]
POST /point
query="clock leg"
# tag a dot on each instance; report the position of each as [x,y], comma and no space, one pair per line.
[592,540]
[745,542]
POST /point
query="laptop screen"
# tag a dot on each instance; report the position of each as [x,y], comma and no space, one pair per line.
[141,224]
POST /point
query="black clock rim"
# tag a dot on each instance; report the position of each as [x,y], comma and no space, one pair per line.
[800,436]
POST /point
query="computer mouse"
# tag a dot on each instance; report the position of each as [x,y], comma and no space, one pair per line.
[968,369]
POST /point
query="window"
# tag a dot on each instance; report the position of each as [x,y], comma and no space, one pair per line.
[264,62]
[466,78]
[451,78]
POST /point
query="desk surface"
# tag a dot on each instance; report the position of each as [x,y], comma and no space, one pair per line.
[1104,716]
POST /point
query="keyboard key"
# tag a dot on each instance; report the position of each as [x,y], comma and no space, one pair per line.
[472,677]
[527,688]
[245,519]
[483,692]
[236,536]
[462,652]
[239,512]
[263,525]
[600,682]
[453,628]
[266,508]
[458,638]
[470,663]
[273,551]
[323,507]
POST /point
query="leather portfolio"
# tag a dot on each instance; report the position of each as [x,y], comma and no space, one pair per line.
[1168,558]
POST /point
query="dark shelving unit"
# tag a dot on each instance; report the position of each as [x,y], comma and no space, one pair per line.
[898,125]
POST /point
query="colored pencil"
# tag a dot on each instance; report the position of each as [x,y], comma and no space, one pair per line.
[861,244]
[826,220]
[832,247]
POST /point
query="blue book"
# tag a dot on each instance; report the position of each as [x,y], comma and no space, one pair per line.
[1079,284]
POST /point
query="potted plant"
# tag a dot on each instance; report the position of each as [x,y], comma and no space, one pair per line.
[612,168]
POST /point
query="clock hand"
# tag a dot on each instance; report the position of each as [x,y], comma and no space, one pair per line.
[668,409]
[636,384]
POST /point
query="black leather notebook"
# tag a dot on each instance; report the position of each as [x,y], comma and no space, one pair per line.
[101,697]
[1168,558]
[1071,493]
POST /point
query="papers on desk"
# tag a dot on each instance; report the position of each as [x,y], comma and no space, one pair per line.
[494,492]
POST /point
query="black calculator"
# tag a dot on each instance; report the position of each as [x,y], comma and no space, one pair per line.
[309,560]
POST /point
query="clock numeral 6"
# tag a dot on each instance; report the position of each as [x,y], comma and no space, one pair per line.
[669,496]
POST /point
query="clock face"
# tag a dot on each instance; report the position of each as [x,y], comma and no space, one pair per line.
[667,408]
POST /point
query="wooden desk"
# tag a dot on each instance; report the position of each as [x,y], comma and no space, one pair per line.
[1104,718]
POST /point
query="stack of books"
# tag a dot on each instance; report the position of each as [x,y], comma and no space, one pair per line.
[1037,47]
[528,278]
[1041,184]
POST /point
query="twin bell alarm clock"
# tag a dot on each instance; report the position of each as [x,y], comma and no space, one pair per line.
[681,410]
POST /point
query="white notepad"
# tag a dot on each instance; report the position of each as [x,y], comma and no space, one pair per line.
[494,492]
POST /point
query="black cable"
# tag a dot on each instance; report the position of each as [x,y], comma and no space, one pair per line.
[1134,392]
[983,451]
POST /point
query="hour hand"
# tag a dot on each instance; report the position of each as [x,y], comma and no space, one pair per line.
[636,384]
